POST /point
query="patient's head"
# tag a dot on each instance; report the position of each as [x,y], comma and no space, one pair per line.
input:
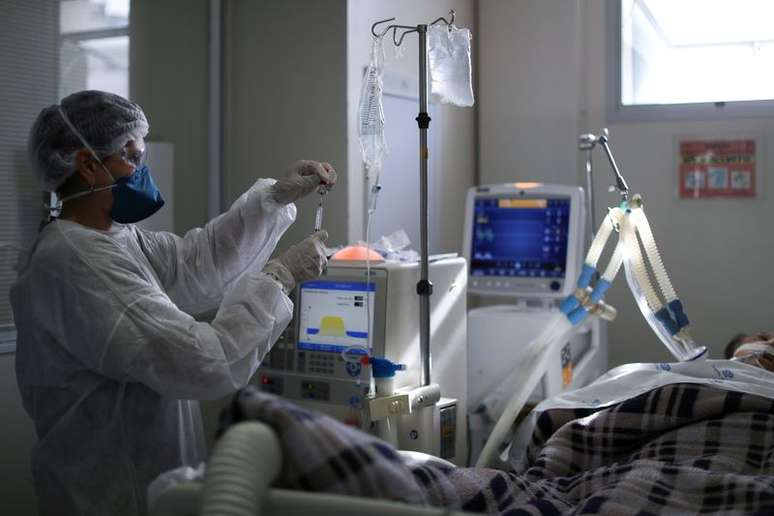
[755,348]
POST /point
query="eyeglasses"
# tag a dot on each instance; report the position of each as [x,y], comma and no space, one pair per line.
[134,157]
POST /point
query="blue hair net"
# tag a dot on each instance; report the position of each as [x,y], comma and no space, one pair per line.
[106,121]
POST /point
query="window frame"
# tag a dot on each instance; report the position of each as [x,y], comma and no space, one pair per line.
[618,112]
[92,35]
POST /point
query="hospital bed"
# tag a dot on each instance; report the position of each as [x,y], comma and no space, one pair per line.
[247,460]
[244,464]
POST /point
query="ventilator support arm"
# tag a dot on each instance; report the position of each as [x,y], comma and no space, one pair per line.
[653,291]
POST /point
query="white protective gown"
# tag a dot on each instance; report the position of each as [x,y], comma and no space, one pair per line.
[109,354]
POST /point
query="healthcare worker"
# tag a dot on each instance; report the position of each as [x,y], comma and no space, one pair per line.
[112,339]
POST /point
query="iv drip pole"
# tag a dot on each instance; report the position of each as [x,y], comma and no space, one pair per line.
[424,287]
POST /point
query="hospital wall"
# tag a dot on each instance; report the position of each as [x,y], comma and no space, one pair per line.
[283,96]
[285,80]
[543,82]
[174,96]
[291,81]
[455,127]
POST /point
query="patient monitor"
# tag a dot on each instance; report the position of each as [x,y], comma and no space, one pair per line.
[524,243]
[306,364]
[524,240]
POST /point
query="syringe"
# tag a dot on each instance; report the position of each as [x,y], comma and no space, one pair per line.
[319,213]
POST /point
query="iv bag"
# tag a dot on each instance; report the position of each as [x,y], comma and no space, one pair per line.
[450,69]
[371,110]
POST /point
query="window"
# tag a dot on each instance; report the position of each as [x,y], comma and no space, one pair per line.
[94,50]
[49,49]
[692,57]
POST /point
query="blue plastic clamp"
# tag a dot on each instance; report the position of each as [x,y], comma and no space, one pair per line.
[587,273]
[599,290]
[665,318]
[677,308]
[569,304]
[578,315]
[384,368]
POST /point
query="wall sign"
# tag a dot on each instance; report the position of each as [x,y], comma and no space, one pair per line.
[718,167]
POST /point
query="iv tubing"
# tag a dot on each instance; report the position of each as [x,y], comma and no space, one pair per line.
[369,348]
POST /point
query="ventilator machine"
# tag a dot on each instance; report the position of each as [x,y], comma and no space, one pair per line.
[524,243]
[648,281]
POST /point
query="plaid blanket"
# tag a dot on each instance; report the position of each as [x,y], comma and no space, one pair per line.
[681,448]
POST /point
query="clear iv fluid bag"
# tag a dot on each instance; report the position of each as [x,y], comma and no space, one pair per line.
[371,110]
[450,69]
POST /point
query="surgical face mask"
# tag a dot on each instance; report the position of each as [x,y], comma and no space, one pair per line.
[135,197]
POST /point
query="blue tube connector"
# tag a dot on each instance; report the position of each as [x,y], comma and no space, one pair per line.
[384,368]
[599,291]
[573,307]
[577,316]
[665,318]
[569,304]
[587,273]
[677,308]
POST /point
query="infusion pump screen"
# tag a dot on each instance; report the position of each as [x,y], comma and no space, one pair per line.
[518,237]
[332,315]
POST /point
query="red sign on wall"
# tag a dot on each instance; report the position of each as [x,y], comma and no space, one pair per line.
[717,168]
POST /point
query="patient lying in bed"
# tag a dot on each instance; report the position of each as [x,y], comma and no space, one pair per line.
[644,439]
[755,348]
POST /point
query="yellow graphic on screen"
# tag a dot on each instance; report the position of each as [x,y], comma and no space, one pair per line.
[332,326]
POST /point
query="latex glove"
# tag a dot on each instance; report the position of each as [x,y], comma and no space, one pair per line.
[304,261]
[304,178]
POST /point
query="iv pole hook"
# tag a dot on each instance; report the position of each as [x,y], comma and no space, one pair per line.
[373,27]
[442,19]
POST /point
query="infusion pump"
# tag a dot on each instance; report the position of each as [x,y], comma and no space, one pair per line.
[348,310]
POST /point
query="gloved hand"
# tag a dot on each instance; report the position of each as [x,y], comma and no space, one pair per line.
[304,178]
[304,261]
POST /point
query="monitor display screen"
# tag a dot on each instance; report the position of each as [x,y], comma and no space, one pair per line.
[520,237]
[333,315]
